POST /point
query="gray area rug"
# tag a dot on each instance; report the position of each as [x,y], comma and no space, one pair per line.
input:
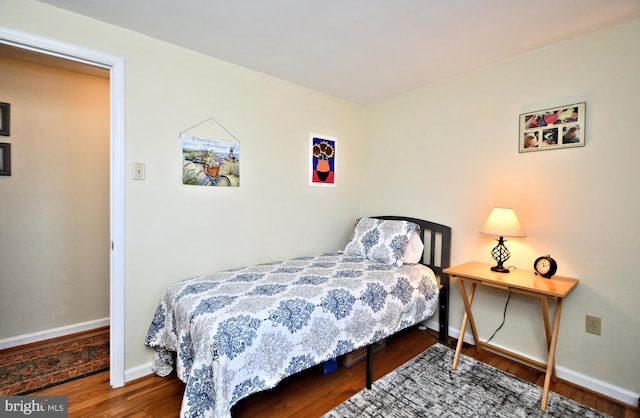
[427,387]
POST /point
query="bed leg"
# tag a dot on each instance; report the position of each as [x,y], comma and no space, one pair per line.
[369,364]
[443,313]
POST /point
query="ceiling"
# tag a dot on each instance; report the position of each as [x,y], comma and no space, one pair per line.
[360,50]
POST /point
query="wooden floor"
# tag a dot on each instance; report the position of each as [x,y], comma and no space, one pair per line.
[308,394]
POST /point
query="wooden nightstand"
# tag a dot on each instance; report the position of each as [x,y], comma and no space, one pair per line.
[519,281]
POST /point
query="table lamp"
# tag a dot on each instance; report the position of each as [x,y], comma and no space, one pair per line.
[502,222]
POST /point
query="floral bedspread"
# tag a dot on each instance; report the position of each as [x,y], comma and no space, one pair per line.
[238,332]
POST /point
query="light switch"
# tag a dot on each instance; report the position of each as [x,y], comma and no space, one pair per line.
[138,171]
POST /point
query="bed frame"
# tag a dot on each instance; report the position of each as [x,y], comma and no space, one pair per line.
[437,256]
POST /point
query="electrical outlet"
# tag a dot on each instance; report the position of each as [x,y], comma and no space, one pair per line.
[593,325]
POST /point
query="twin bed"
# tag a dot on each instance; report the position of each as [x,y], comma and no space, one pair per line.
[234,333]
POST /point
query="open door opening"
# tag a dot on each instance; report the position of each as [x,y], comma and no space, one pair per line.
[74,55]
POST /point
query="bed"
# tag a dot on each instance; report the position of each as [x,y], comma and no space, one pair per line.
[234,333]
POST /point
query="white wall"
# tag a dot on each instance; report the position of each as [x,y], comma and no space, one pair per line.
[54,208]
[173,231]
[448,152]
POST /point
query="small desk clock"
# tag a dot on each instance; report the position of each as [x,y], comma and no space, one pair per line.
[545,266]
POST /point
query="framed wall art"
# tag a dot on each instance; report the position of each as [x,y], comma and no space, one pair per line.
[322,160]
[553,128]
[5,159]
[4,118]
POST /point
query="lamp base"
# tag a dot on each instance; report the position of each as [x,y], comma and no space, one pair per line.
[500,254]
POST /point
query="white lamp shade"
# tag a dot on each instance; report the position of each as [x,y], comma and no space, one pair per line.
[502,222]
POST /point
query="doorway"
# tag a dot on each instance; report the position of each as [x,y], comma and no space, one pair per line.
[115,66]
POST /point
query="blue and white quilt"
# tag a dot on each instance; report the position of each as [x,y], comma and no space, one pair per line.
[238,332]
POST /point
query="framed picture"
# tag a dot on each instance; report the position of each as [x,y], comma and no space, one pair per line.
[554,128]
[4,118]
[5,159]
[322,160]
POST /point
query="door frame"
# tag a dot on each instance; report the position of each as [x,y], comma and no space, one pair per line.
[115,65]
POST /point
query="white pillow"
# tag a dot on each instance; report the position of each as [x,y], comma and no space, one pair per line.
[381,240]
[415,249]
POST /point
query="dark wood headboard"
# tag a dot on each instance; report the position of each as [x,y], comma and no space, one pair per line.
[437,256]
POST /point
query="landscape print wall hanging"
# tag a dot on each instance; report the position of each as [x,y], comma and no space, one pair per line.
[322,161]
[210,155]
[554,128]
[210,161]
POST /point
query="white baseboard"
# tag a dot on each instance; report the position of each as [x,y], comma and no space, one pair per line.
[137,372]
[598,386]
[620,394]
[52,333]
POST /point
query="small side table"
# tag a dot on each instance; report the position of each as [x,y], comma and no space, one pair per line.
[518,281]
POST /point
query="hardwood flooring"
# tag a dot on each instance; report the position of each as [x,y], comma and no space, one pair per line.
[308,394]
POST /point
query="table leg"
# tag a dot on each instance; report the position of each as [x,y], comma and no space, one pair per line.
[466,317]
[547,328]
[545,317]
[472,322]
[552,353]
